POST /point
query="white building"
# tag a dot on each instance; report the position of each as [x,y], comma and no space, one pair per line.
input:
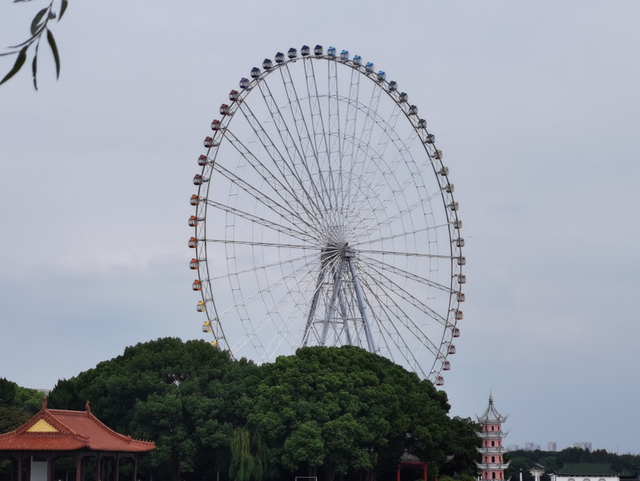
[585,472]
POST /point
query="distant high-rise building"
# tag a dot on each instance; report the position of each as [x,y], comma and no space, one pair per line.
[492,450]
[529,446]
[513,447]
[583,445]
[552,446]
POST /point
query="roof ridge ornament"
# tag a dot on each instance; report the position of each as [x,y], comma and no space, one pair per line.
[491,414]
[44,404]
[87,407]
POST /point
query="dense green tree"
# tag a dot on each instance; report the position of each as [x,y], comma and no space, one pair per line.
[325,411]
[185,396]
[462,443]
[345,409]
[249,457]
[7,392]
[17,405]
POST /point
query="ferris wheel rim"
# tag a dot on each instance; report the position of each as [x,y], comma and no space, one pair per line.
[449,321]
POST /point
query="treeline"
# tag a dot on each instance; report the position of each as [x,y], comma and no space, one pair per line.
[17,404]
[551,460]
[337,413]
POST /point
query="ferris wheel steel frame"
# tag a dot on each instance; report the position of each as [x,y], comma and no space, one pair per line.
[306,189]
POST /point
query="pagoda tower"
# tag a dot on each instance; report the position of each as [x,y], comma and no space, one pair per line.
[492,465]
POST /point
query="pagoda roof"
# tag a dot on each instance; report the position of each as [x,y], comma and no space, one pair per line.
[491,415]
[586,469]
[61,430]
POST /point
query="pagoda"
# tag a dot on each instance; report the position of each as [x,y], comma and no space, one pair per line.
[492,465]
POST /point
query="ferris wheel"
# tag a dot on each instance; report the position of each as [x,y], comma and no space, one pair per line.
[325,216]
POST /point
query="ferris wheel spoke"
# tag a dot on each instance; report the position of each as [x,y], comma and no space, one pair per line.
[297,234]
[296,162]
[244,301]
[252,330]
[305,138]
[317,123]
[385,266]
[379,168]
[399,342]
[281,211]
[277,159]
[368,124]
[262,267]
[404,234]
[335,136]
[284,327]
[347,149]
[376,224]
[263,244]
[387,300]
[393,286]
[392,332]
[424,199]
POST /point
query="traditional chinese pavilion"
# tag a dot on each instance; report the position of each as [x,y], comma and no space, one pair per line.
[492,465]
[54,433]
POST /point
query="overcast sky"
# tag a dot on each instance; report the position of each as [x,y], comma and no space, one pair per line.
[535,104]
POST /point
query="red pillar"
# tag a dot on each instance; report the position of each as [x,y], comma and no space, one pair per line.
[79,468]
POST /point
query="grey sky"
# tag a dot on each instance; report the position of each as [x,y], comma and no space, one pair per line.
[535,105]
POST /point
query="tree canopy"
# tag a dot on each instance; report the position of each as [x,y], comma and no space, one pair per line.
[17,405]
[184,396]
[552,460]
[347,410]
[335,412]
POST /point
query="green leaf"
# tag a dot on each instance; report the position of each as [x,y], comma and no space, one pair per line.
[36,20]
[34,67]
[63,8]
[54,50]
[22,56]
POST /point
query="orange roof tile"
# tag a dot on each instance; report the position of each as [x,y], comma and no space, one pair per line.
[60,430]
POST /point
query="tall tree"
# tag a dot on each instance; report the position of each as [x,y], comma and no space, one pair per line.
[345,409]
[184,396]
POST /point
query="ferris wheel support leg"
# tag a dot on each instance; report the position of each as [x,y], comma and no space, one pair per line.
[334,299]
[314,306]
[361,304]
[343,312]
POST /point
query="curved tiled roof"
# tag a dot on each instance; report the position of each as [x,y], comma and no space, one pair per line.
[61,430]
[491,414]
